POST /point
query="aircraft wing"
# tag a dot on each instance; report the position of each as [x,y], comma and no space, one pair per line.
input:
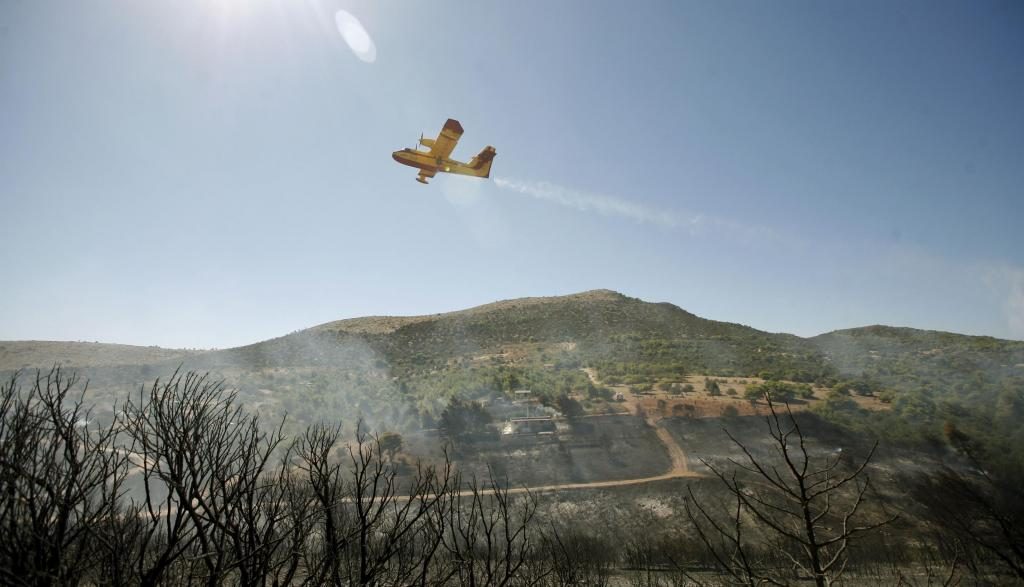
[444,144]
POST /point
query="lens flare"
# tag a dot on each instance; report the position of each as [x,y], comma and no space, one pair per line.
[356,36]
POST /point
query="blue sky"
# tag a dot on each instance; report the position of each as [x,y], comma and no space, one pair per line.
[208,173]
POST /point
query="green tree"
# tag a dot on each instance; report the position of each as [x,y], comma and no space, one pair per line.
[778,391]
[569,407]
[711,385]
[461,419]
[390,443]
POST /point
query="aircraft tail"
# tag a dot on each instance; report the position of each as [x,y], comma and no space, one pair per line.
[481,164]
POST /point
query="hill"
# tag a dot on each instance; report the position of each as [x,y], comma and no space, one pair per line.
[404,371]
[926,356]
[39,354]
[599,325]
[934,381]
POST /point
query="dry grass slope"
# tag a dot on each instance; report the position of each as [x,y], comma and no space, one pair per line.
[40,354]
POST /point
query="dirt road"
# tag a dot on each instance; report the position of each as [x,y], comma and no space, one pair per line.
[596,484]
[680,466]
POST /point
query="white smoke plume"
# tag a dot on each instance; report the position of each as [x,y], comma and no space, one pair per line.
[592,202]
[691,222]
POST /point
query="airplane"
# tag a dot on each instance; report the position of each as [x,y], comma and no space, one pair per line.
[436,159]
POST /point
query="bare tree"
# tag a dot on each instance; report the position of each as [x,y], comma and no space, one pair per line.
[811,506]
[979,510]
[372,527]
[488,538]
[207,488]
[60,479]
[933,560]
[323,498]
[389,513]
[648,557]
[578,558]
[725,540]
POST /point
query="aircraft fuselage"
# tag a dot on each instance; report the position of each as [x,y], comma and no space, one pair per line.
[424,160]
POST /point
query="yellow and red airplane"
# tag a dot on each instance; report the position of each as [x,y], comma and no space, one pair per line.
[437,158]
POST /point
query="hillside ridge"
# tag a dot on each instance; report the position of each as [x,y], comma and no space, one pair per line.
[387,324]
[598,313]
